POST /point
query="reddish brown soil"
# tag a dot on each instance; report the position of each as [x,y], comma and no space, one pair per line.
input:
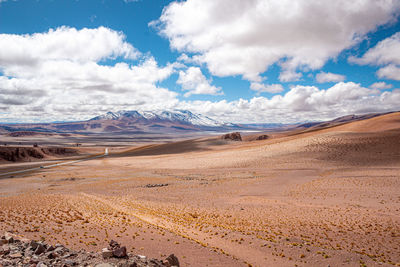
[327,197]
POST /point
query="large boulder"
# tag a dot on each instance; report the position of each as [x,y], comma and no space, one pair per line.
[232,136]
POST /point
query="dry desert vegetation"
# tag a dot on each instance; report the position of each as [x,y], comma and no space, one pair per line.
[328,197]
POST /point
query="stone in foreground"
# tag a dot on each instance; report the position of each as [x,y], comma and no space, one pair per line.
[106,253]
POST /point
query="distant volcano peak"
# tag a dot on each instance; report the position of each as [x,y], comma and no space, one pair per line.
[179,116]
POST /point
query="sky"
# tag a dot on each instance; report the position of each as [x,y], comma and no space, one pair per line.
[276,61]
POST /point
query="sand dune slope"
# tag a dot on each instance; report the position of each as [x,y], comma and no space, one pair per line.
[373,141]
[326,197]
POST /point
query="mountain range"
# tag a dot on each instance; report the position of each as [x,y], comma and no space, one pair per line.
[162,121]
[132,121]
[177,116]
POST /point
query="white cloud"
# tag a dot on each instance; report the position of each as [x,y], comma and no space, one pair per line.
[386,52]
[381,86]
[69,83]
[58,74]
[289,75]
[301,103]
[391,72]
[325,77]
[189,60]
[193,81]
[184,58]
[64,43]
[270,88]
[246,37]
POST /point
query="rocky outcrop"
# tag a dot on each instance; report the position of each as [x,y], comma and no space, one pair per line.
[15,154]
[262,137]
[16,251]
[232,136]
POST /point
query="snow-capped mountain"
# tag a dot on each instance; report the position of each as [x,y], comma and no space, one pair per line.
[136,122]
[176,116]
[139,122]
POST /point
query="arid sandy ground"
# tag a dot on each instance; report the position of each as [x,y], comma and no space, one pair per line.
[327,197]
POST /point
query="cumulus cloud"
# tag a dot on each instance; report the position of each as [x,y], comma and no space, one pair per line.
[386,53]
[289,75]
[270,88]
[190,60]
[193,81]
[75,79]
[64,43]
[391,72]
[326,77]
[301,103]
[246,37]
[381,86]
[58,74]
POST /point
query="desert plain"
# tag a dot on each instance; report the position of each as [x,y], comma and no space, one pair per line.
[322,197]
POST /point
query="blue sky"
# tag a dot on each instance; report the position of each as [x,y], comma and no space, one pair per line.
[211,57]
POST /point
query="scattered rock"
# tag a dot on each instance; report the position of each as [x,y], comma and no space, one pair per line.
[59,250]
[40,249]
[106,253]
[33,244]
[262,137]
[104,265]
[3,251]
[113,245]
[34,261]
[28,252]
[70,262]
[51,255]
[172,260]
[232,136]
[16,255]
[25,241]
[33,253]
[67,255]
[119,252]
[116,249]
[9,239]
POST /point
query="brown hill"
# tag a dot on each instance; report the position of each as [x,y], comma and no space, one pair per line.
[16,154]
[381,123]
[372,141]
